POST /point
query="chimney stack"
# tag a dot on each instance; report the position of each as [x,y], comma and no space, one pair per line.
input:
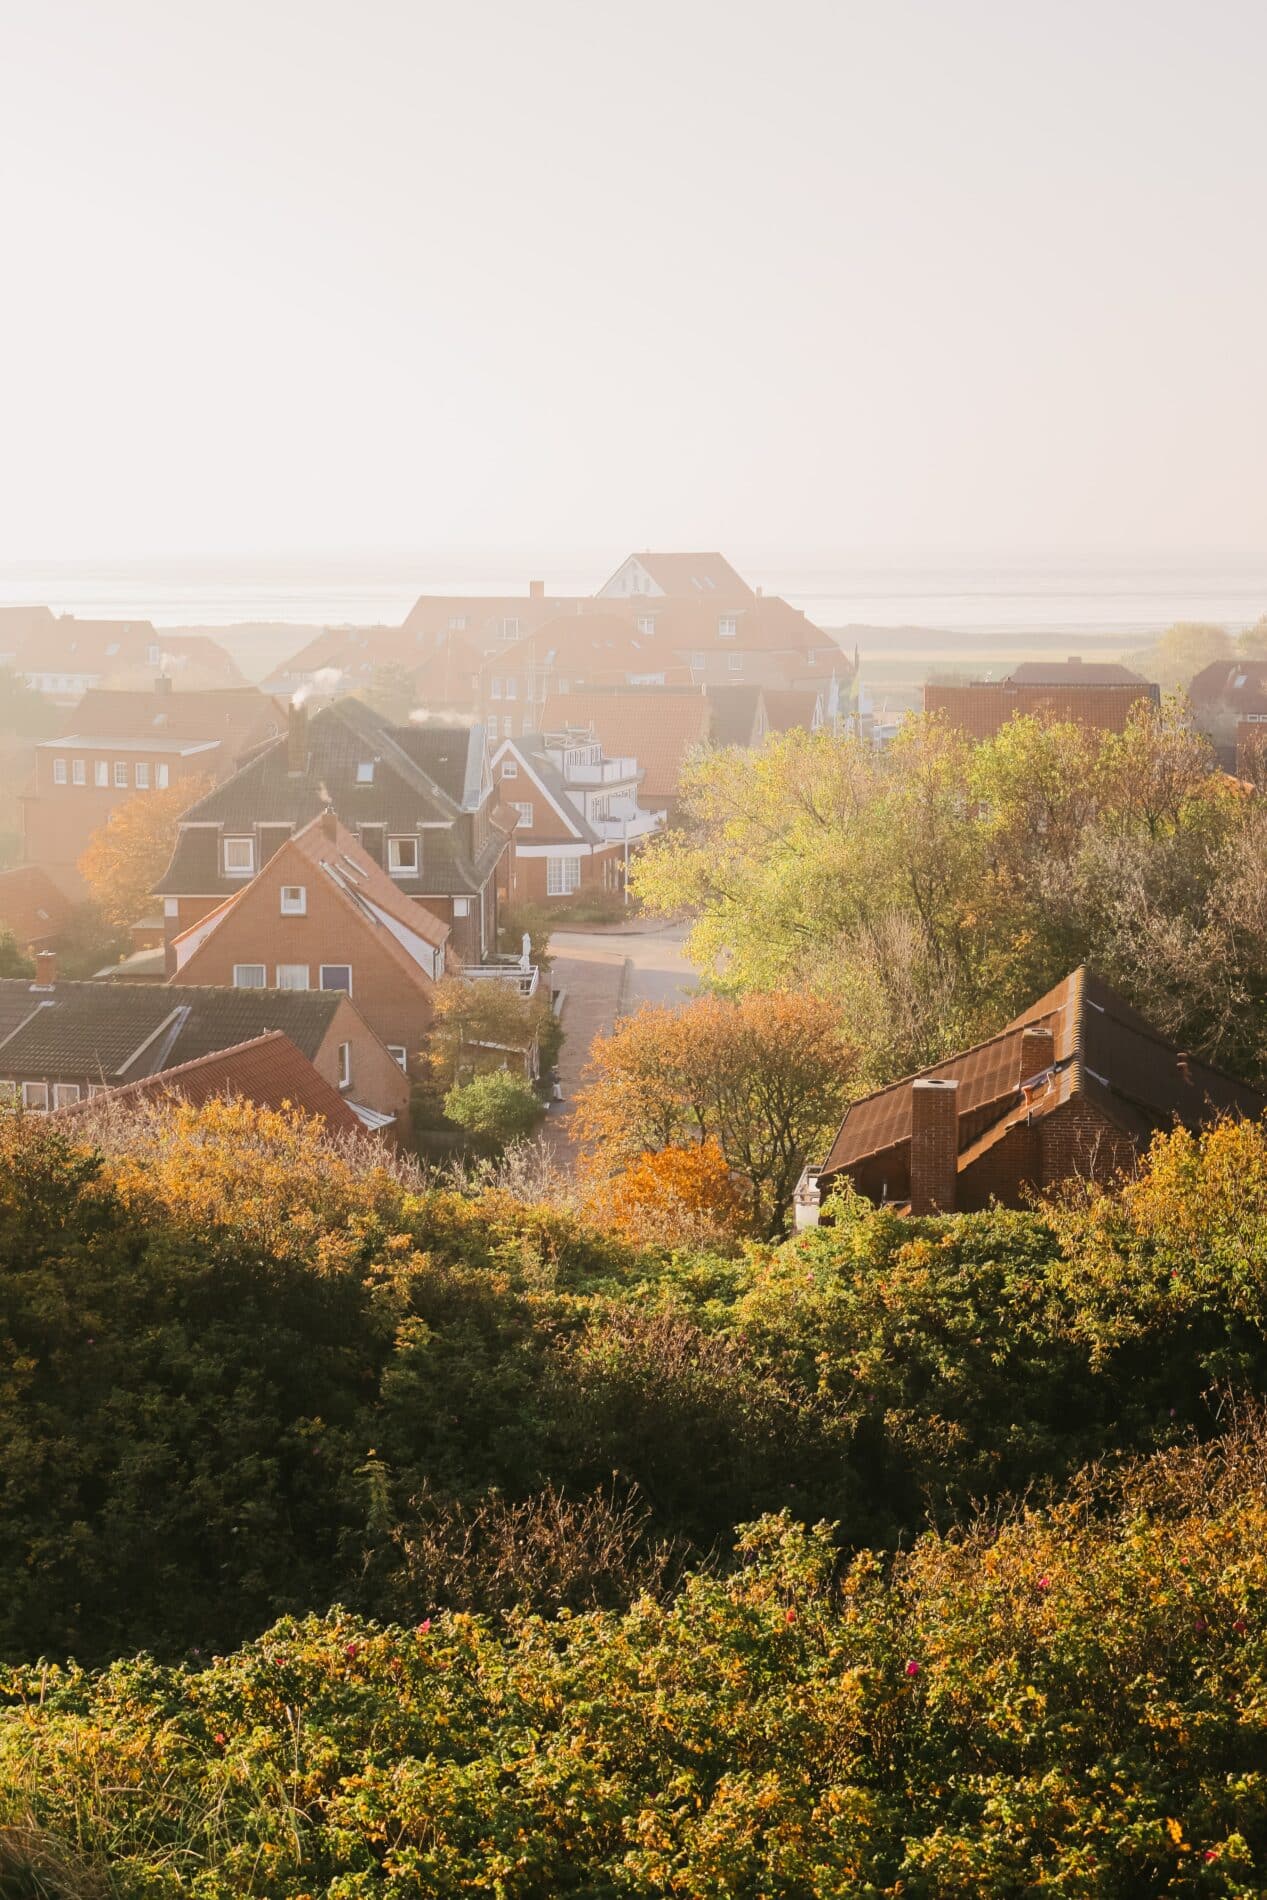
[46,969]
[329,824]
[536,590]
[934,1146]
[163,683]
[1038,1050]
[297,740]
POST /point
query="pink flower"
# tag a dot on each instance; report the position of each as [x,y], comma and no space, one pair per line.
[351,1649]
[424,1628]
[219,1741]
[912,1668]
[1211,1853]
[1044,1583]
[789,1616]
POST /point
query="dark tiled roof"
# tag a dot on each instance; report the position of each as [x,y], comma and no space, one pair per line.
[1074,672]
[531,749]
[1102,1049]
[1240,684]
[734,713]
[123,1031]
[403,794]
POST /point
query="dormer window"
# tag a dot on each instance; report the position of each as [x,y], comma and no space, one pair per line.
[239,857]
[294,900]
[727,627]
[402,857]
[365,772]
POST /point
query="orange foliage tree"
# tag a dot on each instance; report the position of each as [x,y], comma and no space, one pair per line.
[127,856]
[676,1197]
[765,1077]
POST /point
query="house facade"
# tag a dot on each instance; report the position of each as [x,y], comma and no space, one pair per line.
[1095,694]
[322,915]
[1076,1086]
[122,744]
[578,816]
[419,799]
[61,1043]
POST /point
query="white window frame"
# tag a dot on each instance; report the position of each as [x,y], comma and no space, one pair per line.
[461,907]
[238,970]
[645,623]
[335,989]
[142,775]
[120,775]
[239,870]
[727,627]
[512,687]
[394,865]
[399,1054]
[563,876]
[365,772]
[161,778]
[79,771]
[734,662]
[101,773]
[345,1065]
[35,1097]
[526,812]
[59,772]
[65,1094]
[284,973]
[510,768]
[294,900]
[495,689]
[508,727]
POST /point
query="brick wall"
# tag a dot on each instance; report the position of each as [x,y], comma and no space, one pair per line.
[376,1082]
[396,1005]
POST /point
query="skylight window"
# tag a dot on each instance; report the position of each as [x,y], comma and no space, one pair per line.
[365,772]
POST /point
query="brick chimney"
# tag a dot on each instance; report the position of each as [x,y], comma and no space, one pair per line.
[536,590]
[297,740]
[163,683]
[934,1146]
[46,968]
[329,824]
[1038,1050]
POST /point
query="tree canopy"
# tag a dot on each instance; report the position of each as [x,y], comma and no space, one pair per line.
[127,856]
[933,889]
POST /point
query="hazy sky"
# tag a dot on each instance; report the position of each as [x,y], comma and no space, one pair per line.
[805,274]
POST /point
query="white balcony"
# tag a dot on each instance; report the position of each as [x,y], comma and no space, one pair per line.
[508,970]
[608,772]
[640,825]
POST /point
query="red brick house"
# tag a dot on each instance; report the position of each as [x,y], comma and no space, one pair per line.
[65,656]
[63,1042]
[420,799]
[1076,1085]
[578,816]
[322,915]
[1086,693]
[119,744]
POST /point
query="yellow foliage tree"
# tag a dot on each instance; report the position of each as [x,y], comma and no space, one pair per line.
[127,856]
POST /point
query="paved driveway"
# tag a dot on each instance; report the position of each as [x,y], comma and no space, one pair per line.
[607,971]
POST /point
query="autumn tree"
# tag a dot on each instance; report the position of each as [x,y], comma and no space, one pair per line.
[933,889]
[674,1197]
[763,1076]
[470,1016]
[127,856]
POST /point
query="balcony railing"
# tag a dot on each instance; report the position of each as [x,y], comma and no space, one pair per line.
[609,772]
[616,830]
[509,970]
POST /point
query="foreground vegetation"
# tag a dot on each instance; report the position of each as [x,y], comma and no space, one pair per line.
[246,1376]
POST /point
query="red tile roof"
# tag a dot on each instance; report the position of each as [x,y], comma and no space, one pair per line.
[658,726]
[269,1071]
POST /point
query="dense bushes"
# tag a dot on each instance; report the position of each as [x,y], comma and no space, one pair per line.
[244,1374]
[1071,1701]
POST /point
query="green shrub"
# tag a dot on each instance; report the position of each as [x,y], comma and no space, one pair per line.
[496,1108]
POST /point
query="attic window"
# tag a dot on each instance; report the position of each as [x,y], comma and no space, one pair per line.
[365,772]
[402,857]
[294,900]
[510,768]
[239,857]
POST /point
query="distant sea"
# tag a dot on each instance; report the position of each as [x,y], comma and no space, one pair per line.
[1025,600]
